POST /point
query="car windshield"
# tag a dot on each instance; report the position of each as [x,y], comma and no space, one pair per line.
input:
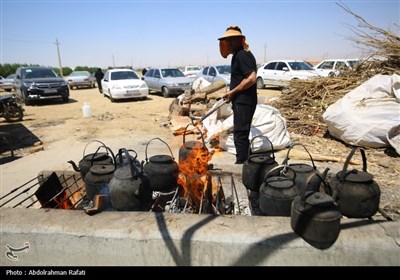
[300,66]
[193,68]
[32,73]
[79,73]
[224,69]
[124,75]
[172,72]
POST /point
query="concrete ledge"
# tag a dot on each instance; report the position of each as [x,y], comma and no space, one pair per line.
[72,238]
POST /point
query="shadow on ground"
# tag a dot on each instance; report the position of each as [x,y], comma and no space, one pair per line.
[21,138]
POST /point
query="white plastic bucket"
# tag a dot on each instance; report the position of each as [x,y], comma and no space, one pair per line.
[86,110]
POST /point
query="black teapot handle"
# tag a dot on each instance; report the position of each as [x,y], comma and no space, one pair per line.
[265,137]
[134,172]
[102,145]
[285,161]
[107,150]
[161,141]
[344,172]
[201,134]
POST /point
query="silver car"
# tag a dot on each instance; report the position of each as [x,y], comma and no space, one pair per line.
[215,73]
[168,81]
[81,79]
[7,83]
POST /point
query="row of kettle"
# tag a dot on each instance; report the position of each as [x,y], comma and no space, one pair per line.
[314,203]
[128,181]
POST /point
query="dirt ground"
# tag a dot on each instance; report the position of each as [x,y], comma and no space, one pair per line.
[51,122]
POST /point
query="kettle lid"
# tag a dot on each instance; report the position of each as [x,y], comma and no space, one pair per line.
[356,176]
[300,167]
[319,199]
[162,159]
[261,158]
[102,169]
[279,182]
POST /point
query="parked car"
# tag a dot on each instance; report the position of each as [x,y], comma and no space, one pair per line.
[122,83]
[37,82]
[81,79]
[333,67]
[215,73]
[7,83]
[168,81]
[191,71]
[281,72]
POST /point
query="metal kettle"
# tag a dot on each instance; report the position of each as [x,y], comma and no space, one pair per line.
[88,160]
[257,166]
[161,170]
[316,218]
[128,185]
[277,194]
[355,191]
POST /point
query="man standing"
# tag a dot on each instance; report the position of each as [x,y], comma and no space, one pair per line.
[243,89]
[99,76]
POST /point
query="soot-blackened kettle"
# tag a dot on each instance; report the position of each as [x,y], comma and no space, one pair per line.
[88,160]
[356,193]
[161,170]
[257,165]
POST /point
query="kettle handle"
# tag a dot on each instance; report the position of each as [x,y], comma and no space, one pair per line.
[107,150]
[184,134]
[285,161]
[161,141]
[134,172]
[346,163]
[102,145]
[265,137]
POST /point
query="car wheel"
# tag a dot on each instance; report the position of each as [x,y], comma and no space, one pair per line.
[260,83]
[111,98]
[65,99]
[71,87]
[165,91]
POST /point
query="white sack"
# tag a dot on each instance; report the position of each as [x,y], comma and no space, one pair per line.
[267,121]
[364,116]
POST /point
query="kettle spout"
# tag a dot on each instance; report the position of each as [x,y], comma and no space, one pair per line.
[76,168]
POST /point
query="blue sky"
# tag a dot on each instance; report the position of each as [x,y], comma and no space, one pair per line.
[177,33]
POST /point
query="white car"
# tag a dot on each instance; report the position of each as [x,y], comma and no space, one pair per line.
[332,67]
[191,71]
[281,72]
[79,79]
[123,84]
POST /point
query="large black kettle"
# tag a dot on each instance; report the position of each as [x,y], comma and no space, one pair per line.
[161,170]
[277,194]
[88,160]
[316,218]
[128,187]
[355,191]
[257,165]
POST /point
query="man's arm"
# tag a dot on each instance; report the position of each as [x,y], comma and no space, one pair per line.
[247,82]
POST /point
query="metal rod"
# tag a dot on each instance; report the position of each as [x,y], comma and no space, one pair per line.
[237,197]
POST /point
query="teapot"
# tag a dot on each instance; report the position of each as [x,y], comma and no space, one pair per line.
[89,160]
[128,186]
[355,191]
[257,165]
[161,170]
[277,194]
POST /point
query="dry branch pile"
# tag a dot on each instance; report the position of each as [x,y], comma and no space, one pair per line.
[304,102]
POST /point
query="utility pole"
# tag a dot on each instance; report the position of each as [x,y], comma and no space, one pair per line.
[59,57]
[265,52]
[113,61]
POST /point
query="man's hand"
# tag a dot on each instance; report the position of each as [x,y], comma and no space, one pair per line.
[228,96]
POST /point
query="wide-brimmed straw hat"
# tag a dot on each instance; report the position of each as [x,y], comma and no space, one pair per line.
[232,31]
